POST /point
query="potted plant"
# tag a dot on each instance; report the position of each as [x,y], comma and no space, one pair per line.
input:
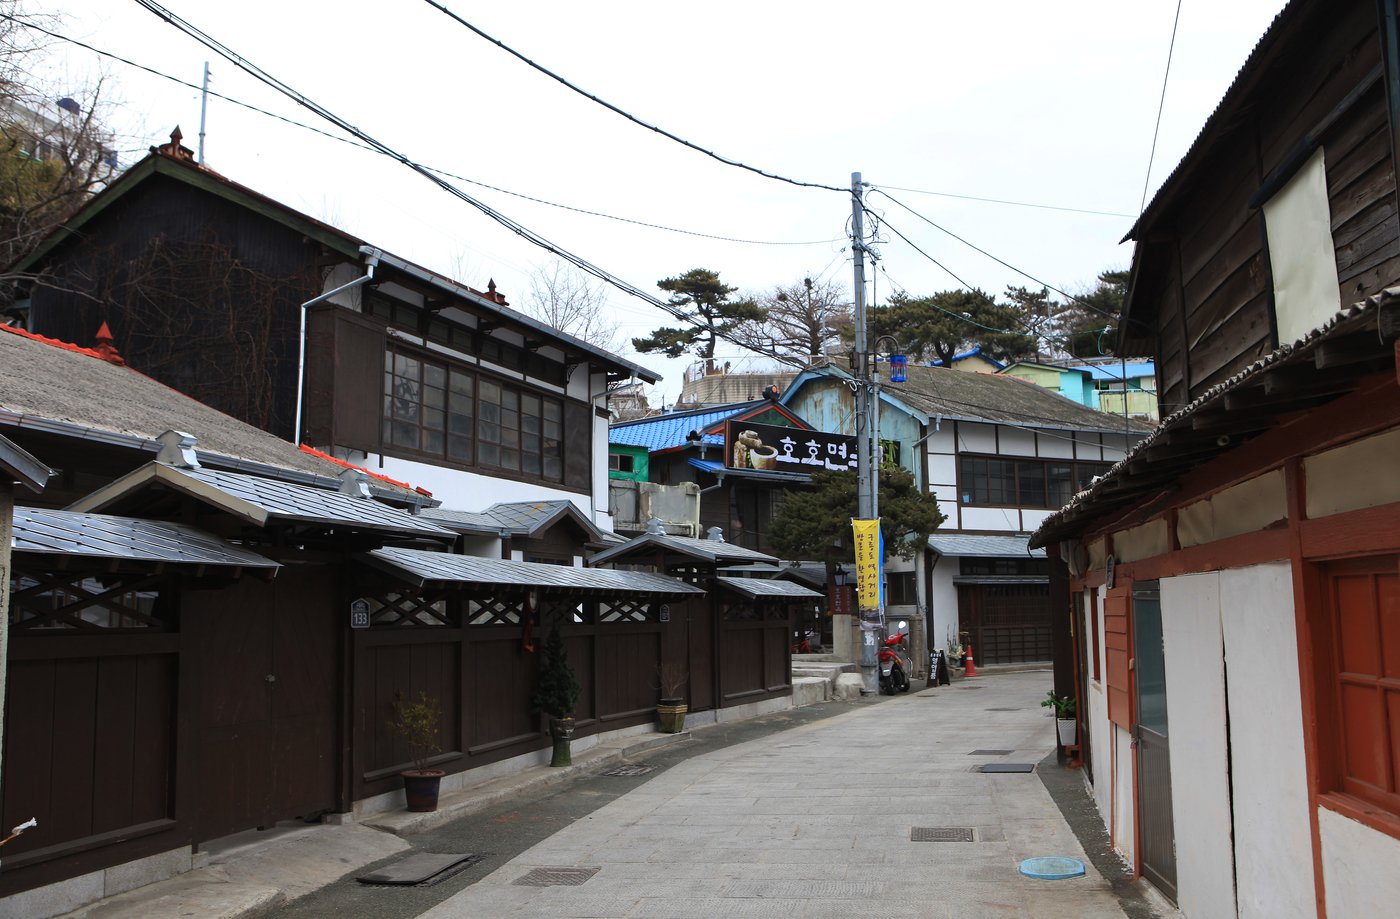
[418,724]
[671,710]
[1065,723]
[556,693]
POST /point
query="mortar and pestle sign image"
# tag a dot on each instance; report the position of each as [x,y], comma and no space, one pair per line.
[751,452]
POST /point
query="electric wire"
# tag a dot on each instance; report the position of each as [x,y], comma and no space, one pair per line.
[619,111]
[1045,207]
[360,146]
[519,229]
[1161,104]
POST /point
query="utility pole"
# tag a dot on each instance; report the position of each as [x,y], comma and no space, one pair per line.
[203,111]
[867,472]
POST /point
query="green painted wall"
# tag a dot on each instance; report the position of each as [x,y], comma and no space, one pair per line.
[639,462]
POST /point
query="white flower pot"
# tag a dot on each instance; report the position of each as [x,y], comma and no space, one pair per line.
[1068,730]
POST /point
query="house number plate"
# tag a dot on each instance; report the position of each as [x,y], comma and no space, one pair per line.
[359,614]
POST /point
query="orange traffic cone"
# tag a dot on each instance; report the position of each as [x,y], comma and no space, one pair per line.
[970,666]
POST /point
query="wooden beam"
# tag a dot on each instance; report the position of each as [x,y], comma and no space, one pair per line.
[1345,351]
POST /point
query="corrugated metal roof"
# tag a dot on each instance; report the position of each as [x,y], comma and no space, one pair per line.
[259,500]
[424,567]
[983,546]
[763,587]
[48,532]
[707,550]
[17,465]
[668,431]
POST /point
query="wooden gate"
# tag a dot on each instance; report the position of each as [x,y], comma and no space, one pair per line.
[268,680]
[1008,623]
[1156,830]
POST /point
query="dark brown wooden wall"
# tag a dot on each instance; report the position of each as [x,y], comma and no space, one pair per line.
[1203,267]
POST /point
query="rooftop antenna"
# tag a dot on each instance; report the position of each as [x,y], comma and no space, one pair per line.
[203,112]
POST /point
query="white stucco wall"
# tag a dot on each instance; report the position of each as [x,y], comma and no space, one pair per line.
[1273,838]
[1095,718]
[460,490]
[1194,648]
[1123,827]
[944,603]
[1359,867]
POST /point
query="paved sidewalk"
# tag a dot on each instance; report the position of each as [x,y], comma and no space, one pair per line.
[816,822]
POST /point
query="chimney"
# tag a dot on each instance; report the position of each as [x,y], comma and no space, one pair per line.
[355,483]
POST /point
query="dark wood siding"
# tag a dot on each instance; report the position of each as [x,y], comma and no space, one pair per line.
[200,293]
[578,442]
[1203,284]
[344,379]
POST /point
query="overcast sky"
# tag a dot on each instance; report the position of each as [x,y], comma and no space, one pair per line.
[1045,104]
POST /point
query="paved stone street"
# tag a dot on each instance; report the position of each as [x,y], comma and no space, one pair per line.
[816,821]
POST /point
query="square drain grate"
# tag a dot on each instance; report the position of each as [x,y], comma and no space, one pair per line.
[1003,709]
[630,769]
[556,877]
[972,687]
[1006,767]
[941,834]
[991,752]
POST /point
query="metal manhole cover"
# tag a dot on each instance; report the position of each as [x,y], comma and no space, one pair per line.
[991,752]
[630,769]
[1006,767]
[972,687]
[941,834]
[556,877]
[1003,709]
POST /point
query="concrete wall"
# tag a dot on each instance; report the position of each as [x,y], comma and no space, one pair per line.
[944,603]
[1094,718]
[1359,868]
[1273,838]
[1123,827]
[1200,766]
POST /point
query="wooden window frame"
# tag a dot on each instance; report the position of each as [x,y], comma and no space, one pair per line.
[543,441]
[1022,466]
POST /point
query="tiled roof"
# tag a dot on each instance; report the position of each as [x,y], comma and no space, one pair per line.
[708,550]
[53,385]
[975,546]
[260,501]
[423,567]
[100,536]
[764,587]
[665,432]
[515,518]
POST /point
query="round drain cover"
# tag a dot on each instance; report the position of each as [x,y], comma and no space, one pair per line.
[1052,868]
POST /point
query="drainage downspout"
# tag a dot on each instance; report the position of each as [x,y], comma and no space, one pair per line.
[372,256]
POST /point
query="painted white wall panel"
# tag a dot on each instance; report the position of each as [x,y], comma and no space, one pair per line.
[943,473]
[1100,728]
[1031,520]
[468,491]
[944,603]
[991,518]
[950,510]
[1273,838]
[1123,828]
[1200,765]
[941,440]
[1016,442]
[1359,868]
[976,438]
[1302,254]
[1054,445]
[1087,447]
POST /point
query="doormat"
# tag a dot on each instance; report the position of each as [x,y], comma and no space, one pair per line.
[941,834]
[1006,767]
[422,869]
[630,769]
[556,877]
[991,752]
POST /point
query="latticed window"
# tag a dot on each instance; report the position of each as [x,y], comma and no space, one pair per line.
[489,611]
[739,611]
[626,610]
[40,602]
[404,610]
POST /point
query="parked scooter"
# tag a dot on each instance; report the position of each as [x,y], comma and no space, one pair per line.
[895,664]
[807,641]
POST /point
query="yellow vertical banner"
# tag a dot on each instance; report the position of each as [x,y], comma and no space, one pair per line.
[867,539]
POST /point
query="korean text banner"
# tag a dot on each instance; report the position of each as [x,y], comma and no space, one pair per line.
[867,539]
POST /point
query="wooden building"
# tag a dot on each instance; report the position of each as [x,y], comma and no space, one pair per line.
[295,326]
[210,638]
[1235,580]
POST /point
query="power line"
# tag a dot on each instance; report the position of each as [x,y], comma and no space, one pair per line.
[1005,264]
[1046,207]
[519,229]
[616,110]
[1161,104]
[359,146]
